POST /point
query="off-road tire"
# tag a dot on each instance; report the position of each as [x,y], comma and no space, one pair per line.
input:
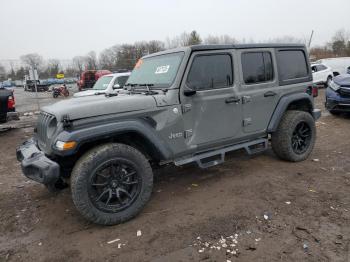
[281,140]
[83,171]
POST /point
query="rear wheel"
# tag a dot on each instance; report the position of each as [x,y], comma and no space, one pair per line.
[111,184]
[295,137]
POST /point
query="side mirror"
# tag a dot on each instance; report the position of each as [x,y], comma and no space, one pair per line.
[116,86]
[189,92]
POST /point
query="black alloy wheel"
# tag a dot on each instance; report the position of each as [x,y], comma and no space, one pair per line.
[301,138]
[114,185]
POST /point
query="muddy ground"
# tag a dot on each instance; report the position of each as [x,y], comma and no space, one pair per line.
[248,209]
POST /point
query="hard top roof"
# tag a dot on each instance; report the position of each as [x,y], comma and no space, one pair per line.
[233,46]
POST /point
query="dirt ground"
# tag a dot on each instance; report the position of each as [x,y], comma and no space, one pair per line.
[248,209]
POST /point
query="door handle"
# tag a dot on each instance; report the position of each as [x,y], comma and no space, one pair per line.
[270,93]
[232,99]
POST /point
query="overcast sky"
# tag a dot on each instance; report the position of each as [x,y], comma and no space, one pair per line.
[65,28]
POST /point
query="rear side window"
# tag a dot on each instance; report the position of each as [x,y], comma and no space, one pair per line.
[321,67]
[292,64]
[210,72]
[257,67]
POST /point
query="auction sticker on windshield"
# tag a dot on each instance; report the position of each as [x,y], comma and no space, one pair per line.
[162,69]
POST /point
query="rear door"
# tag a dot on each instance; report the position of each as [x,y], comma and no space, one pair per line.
[258,87]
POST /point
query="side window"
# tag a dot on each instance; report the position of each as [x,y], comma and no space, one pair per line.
[121,80]
[292,64]
[321,67]
[314,69]
[257,67]
[210,72]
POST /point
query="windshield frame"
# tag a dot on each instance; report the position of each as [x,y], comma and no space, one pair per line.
[160,86]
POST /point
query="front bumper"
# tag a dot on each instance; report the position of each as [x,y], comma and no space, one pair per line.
[336,101]
[35,165]
[336,105]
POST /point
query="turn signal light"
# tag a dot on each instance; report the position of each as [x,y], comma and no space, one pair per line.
[65,145]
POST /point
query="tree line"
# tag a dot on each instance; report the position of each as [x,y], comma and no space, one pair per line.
[124,56]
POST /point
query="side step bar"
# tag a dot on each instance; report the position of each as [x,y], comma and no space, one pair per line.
[206,160]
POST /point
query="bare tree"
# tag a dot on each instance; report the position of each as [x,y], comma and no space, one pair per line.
[107,59]
[53,67]
[286,39]
[155,46]
[339,42]
[32,60]
[91,60]
[320,52]
[70,71]
[2,73]
[78,63]
[221,39]
[177,41]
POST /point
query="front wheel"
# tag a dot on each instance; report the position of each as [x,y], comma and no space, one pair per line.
[111,184]
[295,137]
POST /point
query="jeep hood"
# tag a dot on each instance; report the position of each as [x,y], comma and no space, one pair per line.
[90,106]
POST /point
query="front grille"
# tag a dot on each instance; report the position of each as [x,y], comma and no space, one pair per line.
[44,120]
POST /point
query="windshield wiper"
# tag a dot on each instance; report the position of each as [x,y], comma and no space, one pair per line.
[111,94]
[148,91]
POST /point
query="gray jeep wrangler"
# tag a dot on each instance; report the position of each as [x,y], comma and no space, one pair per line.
[191,104]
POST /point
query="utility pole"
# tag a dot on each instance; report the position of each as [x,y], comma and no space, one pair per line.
[312,33]
[35,72]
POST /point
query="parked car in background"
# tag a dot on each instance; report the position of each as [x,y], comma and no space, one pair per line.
[88,78]
[106,84]
[339,65]
[338,94]
[29,85]
[7,103]
[8,84]
[321,74]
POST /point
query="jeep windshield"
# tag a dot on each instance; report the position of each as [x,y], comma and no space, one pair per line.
[102,83]
[157,71]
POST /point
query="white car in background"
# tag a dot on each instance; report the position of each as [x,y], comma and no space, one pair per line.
[321,74]
[106,84]
[339,65]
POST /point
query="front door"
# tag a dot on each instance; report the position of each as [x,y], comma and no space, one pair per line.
[259,89]
[210,105]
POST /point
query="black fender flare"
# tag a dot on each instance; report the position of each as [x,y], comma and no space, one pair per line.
[110,130]
[282,106]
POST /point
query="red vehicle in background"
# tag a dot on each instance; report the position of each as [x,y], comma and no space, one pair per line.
[7,103]
[88,78]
